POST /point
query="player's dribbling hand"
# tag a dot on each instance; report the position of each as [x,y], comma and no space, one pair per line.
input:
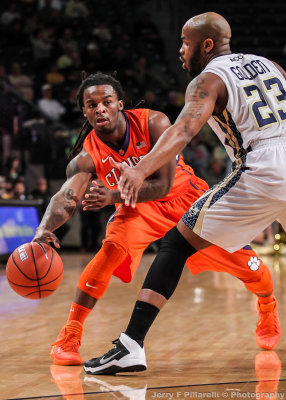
[98,197]
[43,235]
[130,182]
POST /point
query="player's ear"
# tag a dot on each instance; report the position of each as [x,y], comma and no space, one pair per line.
[84,111]
[208,45]
[120,105]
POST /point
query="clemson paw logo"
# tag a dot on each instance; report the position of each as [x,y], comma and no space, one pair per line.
[253,263]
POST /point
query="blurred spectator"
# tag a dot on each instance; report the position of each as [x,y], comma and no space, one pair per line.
[2,186]
[69,58]
[117,32]
[50,106]
[216,172]
[73,112]
[119,59]
[16,35]
[20,81]
[42,45]
[49,15]
[32,25]
[29,95]
[54,4]
[197,155]
[5,147]
[147,78]
[3,74]
[90,230]
[92,57]
[173,108]
[41,193]
[102,32]
[67,40]
[8,16]
[14,190]
[12,169]
[7,190]
[18,190]
[53,76]
[150,100]
[76,9]
[147,31]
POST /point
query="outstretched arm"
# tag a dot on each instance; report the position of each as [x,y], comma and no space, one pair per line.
[200,100]
[62,205]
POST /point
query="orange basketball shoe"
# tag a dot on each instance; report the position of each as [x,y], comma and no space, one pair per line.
[65,349]
[268,331]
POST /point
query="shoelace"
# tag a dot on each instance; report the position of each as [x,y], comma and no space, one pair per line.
[268,323]
[68,342]
[110,352]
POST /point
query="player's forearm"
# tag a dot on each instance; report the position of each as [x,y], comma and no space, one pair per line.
[152,189]
[171,143]
[59,210]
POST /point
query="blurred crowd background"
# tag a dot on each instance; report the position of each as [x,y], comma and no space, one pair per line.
[44,46]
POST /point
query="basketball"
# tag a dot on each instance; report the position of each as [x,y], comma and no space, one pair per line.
[34,270]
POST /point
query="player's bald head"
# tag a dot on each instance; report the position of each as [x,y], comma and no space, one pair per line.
[209,25]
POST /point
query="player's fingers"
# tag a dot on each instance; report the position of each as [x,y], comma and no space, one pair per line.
[116,164]
[91,207]
[90,197]
[97,184]
[55,240]
[122,187]
[134,198]
[128,198]
[47,239]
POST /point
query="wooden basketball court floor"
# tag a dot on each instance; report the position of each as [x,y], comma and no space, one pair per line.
[202,344]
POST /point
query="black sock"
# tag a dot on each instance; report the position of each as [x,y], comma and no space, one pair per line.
[162,277]
[142,318]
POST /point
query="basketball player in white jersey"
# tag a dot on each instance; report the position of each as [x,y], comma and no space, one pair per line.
[243,98]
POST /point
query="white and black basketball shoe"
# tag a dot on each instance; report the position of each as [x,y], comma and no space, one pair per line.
[126,356]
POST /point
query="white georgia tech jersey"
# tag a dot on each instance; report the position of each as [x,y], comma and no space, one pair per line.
[256,107]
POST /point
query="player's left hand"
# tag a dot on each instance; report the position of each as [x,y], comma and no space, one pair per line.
[130,182]
[98,197]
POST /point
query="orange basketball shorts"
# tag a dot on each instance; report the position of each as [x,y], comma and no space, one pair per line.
[135,228]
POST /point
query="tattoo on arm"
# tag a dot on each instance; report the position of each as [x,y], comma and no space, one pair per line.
[194,95]
[59,210]
[68,194]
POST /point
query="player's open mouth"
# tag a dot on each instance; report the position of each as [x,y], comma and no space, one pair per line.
[101,121]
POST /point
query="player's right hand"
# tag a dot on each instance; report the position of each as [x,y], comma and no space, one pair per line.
[130,182]
[98,197]
[43,235]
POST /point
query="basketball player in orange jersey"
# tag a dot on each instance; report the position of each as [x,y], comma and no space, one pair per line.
[128,136]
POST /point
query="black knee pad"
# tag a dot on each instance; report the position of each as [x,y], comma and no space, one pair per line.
[165,271]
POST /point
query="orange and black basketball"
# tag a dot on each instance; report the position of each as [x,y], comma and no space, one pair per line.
[34,270]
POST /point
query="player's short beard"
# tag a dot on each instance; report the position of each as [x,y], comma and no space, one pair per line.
[195,63]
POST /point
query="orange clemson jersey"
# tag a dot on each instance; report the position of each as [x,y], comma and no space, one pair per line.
[136,145]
